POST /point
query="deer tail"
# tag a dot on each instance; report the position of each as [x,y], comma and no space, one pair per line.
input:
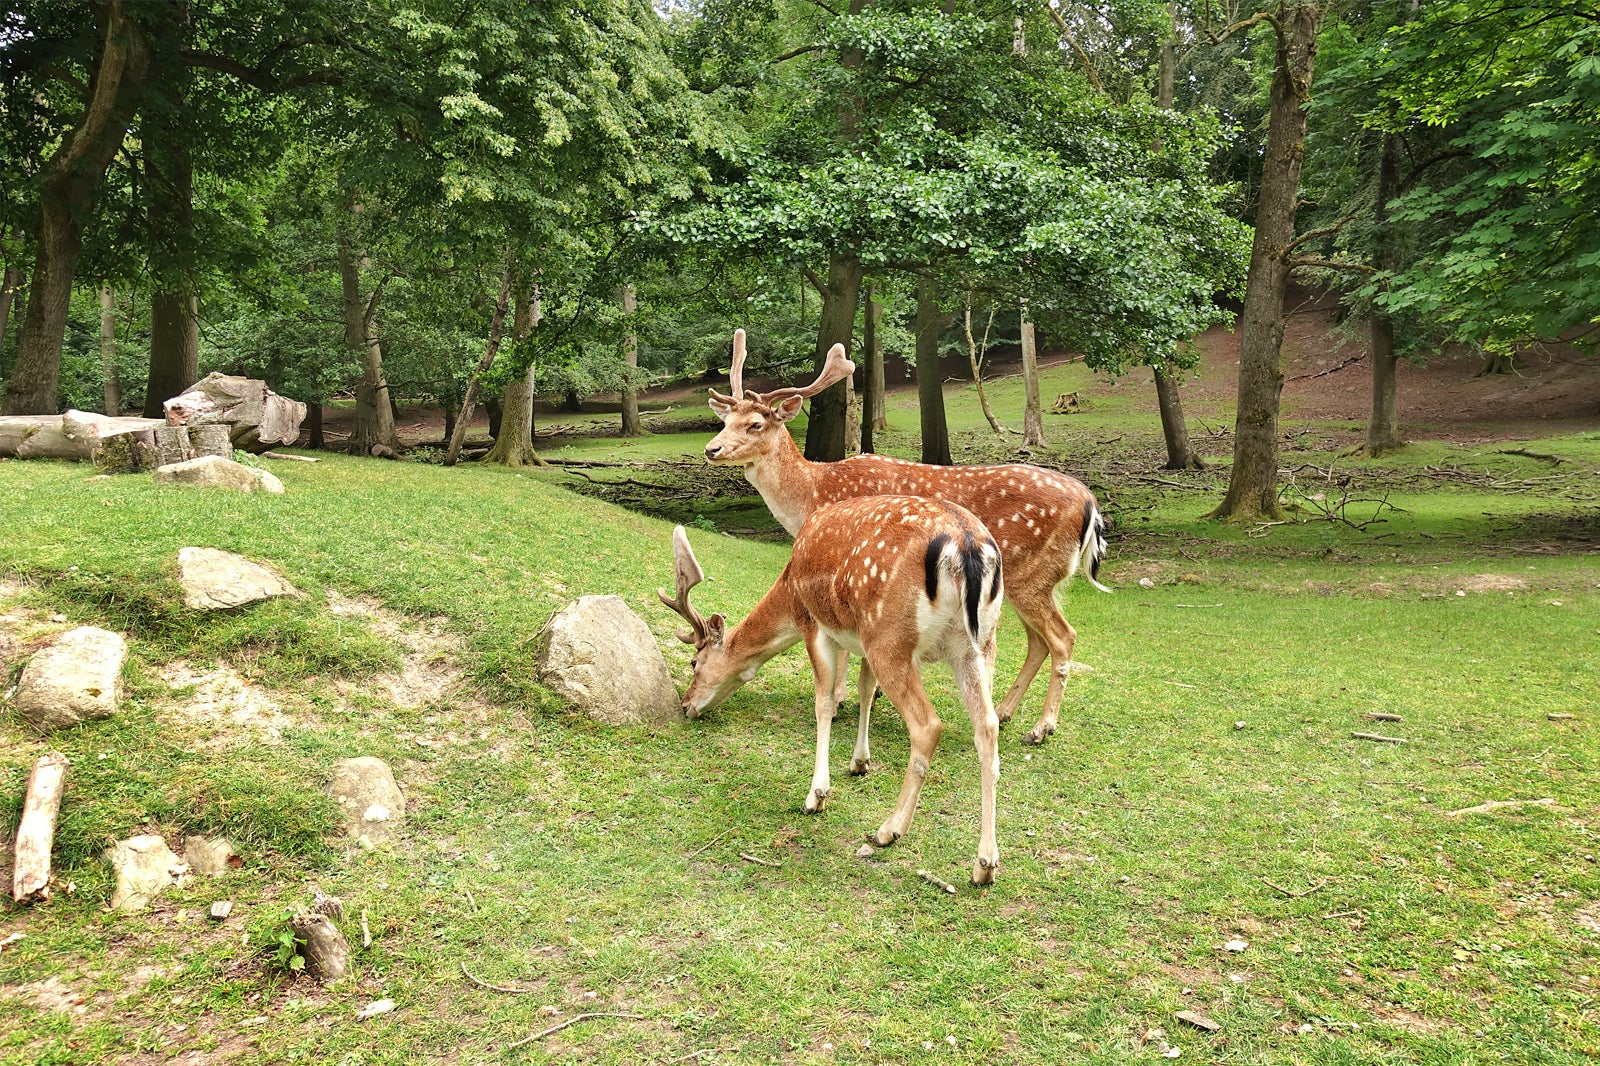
[1092,548]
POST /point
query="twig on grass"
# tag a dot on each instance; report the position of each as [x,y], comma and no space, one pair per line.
[937,881]
[574,1020]
[481,983]
[1292,894]
[1546,456]
[747,857]
[707,847]
[1197,605]
[1379,738]
[1341,914]
[366,931]
[1382,716]
[1496,805]
[697,1054]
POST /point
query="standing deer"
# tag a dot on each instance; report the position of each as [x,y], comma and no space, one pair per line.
[1047,524]
[898,580]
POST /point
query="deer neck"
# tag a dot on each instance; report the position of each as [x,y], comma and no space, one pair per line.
[773,626]
[787,482]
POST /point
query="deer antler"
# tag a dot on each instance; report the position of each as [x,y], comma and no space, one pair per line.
[736,373]
[687,570]
[836,368]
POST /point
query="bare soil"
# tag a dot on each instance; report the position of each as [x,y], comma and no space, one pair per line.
[1328,377]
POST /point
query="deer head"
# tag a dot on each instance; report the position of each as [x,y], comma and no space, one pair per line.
[750,420]
[718,672]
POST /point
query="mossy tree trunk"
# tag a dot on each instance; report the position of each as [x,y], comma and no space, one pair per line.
[632,425]
[374,422]
[1032,415]
[514,444]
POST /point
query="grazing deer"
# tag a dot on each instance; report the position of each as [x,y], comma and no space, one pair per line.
[1047,524]
[898,580]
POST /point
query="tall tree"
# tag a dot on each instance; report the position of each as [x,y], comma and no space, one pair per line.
[1253,481]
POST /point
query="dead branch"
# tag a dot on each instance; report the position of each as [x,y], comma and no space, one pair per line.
[1331,370]
[936,881]
[1529,453]
[296,458]
[1292,894]
[1379,738]
[36,832]
[708,846]
[747,857]
[1496,805]
[481,983]
[696,1054]
[574,1020]
[1382,716]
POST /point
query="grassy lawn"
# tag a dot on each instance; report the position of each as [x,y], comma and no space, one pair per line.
[1204,787]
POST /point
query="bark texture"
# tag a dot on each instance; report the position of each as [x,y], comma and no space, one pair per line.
[825,435]
[513,445]
[1253,482]
[929,324]
[872,405]
[1383,424]
[632,426]
[70,187]
[10,282]
[166,127]
[1032,417]
[975,355]
[374,422]
[108,351]
[497,324]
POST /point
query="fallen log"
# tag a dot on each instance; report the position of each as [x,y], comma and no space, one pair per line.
[35,834]
[74,435]
[256,417]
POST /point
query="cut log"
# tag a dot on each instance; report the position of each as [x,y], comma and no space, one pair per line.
[36,833]
[75,435]
[256,417]
[323,946]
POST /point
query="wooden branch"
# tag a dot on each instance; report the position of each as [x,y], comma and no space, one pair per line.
[1325,231]
[1496,805]
[816,282]
[1291,894]
[1529,453]
[1380,738]
[937,881]
[707,847]
[795,53]
[1295,262]
[759,862]
[36,832]
[296,458]
[1072,42]
[1382,716]
[480,982]
[574,1020]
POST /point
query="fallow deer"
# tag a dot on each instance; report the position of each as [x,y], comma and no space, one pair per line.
[1048,525]
[898,580]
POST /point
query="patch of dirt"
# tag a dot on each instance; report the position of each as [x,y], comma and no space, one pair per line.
[1588,917]
[430,667]
[50,994]
[224,698]
[1493,583]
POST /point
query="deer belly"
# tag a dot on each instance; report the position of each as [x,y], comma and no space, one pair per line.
[848,639]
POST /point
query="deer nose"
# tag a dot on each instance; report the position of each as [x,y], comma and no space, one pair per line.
[712,450]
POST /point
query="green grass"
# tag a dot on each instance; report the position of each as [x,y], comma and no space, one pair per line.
[600,868]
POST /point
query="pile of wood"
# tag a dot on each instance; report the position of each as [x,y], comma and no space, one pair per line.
[218,414]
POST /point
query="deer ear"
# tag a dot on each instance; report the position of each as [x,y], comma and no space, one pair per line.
[720,407]
[788,407]
[716,628]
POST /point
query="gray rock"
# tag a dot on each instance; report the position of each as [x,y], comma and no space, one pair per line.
[216,580]
[602,657]
[145,866]
[213,471]
[207,856]
[75,678]
[371,805]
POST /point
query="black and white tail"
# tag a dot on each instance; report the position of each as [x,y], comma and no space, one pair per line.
[1092,549]
[971,565]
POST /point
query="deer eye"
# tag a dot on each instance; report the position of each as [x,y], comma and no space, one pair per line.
[757,427]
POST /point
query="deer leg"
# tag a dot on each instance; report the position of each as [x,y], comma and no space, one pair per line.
[904,689]
[823,663]
[866,692]
[1061,637]
[841,682]
[974,675]
[1037,649]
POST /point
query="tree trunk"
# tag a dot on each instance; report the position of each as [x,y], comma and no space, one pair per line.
[514,444]
[1174,427]
[1032,418]
[314,425]
[930,390]
[1497,363]
[496,412]
[631,424]
[497,323]
[166,128]
[571,401]
[69,187]
[836,324]
[874,408]
[174,348]
[108,351]
[374,422]
[10,282]
[975,360]
[1253,482]
[1383,424]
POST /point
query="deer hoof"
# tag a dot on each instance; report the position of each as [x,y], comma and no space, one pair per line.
[1037,734]
[817,800]
[983,870]
[883,837]
[859,766]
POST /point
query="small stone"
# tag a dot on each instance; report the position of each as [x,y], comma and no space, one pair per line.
[1238,725]
[365,788]
[1306,1027]
[208,856]
[58,618]
[1236,945]
[216,580]
[213,471]
[375,1008]
[1198,1020]
[145,866]
[221,909]
[865,851]
[1171,1052]
[1146,583]
[76,678]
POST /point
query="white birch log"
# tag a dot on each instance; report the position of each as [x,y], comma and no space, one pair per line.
[37,830]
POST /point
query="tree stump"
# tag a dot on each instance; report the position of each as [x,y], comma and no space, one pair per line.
[323,946]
